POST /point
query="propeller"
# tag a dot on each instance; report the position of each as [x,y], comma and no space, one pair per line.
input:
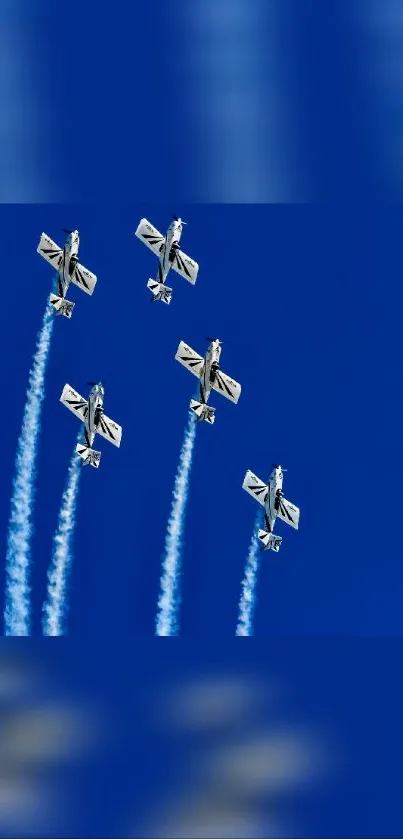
[214,339]
[65,230]
[93,384]
[176,218]
[277,466]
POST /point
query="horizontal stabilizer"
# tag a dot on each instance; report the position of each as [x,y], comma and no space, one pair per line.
[61,305]
[159,291]
[88,456]
[270,541]
[202,411]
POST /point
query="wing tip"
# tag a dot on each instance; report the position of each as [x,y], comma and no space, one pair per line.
[247,477]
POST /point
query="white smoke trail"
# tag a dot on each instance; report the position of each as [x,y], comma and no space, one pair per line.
[247,599]
[166,621]
[54,609]
[17,606]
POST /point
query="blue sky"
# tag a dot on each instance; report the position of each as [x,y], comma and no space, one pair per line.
[247,101]
[113,108]
[306,302]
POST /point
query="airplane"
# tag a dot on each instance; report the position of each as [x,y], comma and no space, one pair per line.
[270,496]
[90,411]
[208,371]
[166,248]
[65,261]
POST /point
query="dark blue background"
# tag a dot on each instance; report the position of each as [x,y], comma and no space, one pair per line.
[121,100]
[307,304]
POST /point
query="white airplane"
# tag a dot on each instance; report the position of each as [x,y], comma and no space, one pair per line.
[65,261]
[166,248]
[90,411]
[208,371]
[270,496]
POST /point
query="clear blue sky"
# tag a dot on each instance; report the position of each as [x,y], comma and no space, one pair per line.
[307,304]
[128,120]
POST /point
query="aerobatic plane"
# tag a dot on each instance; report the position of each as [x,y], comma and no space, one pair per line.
[65,261]
[166,248]
[270,496]
[208,372]
[90,411]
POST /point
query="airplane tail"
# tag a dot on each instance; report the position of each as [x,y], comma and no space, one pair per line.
[88,456]
[61,305]
[159,291]
[202,411]
[270,541]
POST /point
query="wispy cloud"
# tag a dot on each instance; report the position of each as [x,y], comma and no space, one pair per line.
[17,608]
[169,599]
[248,595]
[54,609]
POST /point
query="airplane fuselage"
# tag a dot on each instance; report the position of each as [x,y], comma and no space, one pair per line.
[95,410]
[69,262]
[171,243]
[273,496]
[209,369]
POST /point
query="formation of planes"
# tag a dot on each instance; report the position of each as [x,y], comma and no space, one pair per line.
[206,368]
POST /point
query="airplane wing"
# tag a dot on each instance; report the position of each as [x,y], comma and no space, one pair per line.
[84,279]
[289,513]
[74,402]
[150,236]
[190,359]
[109,429]
[256,488]
[227,387]
[50,251]
[185,266]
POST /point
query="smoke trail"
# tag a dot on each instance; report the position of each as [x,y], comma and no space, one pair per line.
[54,609]
[247,599]
[17,607]
[166,621]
